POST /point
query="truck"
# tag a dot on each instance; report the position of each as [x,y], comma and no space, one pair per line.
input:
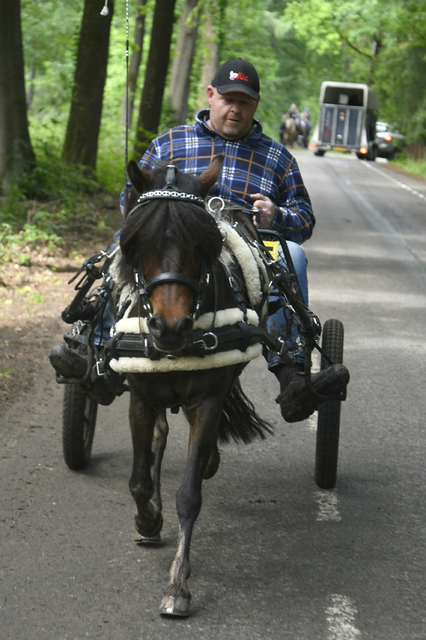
[347,120]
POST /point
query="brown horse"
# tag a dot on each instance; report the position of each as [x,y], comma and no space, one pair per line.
[288,132]
[173,265]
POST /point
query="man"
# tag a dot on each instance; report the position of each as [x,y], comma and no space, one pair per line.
[257,172]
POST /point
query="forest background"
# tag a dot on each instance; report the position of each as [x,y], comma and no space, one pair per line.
[63,88]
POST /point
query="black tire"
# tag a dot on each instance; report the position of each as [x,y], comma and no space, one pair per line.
[327,446]
[372,155]
[78,426]
[319,152]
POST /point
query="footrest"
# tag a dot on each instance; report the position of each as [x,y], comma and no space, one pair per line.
[74,340]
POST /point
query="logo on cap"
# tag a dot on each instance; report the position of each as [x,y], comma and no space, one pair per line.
[238,76]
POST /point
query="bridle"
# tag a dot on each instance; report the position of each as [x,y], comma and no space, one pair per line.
[170,191]
[145,287]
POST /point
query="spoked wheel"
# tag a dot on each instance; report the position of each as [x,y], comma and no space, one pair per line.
[78,426]
[328,428]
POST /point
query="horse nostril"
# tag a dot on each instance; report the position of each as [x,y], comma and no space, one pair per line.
[184,326]
[156,326]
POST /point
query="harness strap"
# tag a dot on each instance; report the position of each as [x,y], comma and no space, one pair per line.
[170,276]
[227,338]
[239,298]
[145,287]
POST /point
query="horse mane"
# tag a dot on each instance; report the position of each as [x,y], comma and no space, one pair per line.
[147,231]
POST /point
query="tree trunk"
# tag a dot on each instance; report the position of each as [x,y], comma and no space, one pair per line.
[16,152]
[135,62]
[182,61]
[81,140]
[155,75]
[210,61]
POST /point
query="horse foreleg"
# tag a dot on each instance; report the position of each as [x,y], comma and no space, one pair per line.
[204,423]
[161,431]
[148,514]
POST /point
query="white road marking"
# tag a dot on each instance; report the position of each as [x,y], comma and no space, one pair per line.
[328,504]
[312,422]
[398,182]
[341,618]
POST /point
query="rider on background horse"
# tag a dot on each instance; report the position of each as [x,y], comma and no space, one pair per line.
[257,172]
[293,113]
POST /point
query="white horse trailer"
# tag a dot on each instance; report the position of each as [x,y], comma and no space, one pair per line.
[347,120]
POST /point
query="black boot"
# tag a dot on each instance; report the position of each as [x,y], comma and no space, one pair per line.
[297,401]
[70,364]
[67,362]
[103,389]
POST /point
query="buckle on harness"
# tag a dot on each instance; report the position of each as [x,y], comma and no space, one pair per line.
[203,343]
[283,348]
[100,367]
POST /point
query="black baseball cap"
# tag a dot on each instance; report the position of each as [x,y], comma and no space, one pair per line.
[237,75]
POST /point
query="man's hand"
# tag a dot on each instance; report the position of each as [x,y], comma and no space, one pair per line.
[267,208]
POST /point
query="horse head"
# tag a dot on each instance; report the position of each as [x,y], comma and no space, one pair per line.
[171,243]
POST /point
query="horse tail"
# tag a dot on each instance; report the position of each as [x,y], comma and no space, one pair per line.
[239,419]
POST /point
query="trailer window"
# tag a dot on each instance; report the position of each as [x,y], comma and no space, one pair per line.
[353,97]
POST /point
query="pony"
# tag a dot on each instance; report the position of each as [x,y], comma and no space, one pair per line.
[182,290]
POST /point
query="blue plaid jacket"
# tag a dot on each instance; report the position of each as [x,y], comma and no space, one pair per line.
[255,164]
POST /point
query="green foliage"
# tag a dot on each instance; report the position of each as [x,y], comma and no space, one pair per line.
[256,32]
[50,31]
[314,22]
[415,167]
[295,45]
[52,201]
[6,370]
[12,242]
[381,43]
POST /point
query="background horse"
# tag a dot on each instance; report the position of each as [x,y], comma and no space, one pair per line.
[288,132]
[171,244]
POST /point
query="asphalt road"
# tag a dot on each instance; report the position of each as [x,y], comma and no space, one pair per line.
[273,556]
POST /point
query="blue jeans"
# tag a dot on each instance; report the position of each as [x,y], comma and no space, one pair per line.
[278,322]
[102,330]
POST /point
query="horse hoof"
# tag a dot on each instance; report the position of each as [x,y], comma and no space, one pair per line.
[149,528]
[175,606]
[139,539]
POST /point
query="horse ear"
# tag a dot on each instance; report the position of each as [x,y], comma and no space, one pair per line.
[210,175]
[138,178]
